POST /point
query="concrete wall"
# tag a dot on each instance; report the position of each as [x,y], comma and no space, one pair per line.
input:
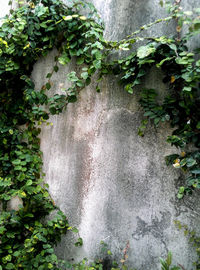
[112,184]
[5,7]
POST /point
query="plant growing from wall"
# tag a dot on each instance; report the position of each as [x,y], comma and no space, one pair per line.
[105,261]
[27,237]
[181,106]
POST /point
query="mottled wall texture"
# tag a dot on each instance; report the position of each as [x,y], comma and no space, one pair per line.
[112,184]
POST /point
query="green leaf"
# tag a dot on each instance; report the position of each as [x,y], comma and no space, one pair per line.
[149,113]
[79,242]
[173,47]
[183,162]
[29,215]
[69,38]
[64,59]
[75,230]
[181,189]
[97,63]
[67,18]
[181,61]
[54,258]
[80,60]
[145,51]
[109,252]
[83,18]
[49,75]
[72,76]
[196,171]
[16,253]
[40,10]
[180,195]
[98,55]
[56,68]
[198,125]
[6,197]
[163,61]
[2,230]
[129,88]
[80,83]
[43,25]
[197,25]
[187,89]
[10,266]
[16,161]
[191,162]
[48,86]
[186,76]
[29,183]
[84,75]
[156,121]
[169,259]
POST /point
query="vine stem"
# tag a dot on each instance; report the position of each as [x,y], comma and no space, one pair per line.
[10,3]
[177,3]
[129,38]
[144,27]
[181,266]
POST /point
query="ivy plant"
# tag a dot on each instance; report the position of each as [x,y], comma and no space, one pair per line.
[27,236]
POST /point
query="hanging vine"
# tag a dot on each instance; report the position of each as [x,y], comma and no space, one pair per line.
[27,237]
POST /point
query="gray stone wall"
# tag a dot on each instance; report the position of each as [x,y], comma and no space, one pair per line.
[112,184]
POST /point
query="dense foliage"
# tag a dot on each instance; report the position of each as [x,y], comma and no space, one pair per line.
[27,237]
[31,31]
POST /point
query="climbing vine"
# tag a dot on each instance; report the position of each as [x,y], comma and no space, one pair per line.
[27,236]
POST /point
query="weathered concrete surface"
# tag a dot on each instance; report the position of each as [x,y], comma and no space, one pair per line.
[4,8]
[112,184]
